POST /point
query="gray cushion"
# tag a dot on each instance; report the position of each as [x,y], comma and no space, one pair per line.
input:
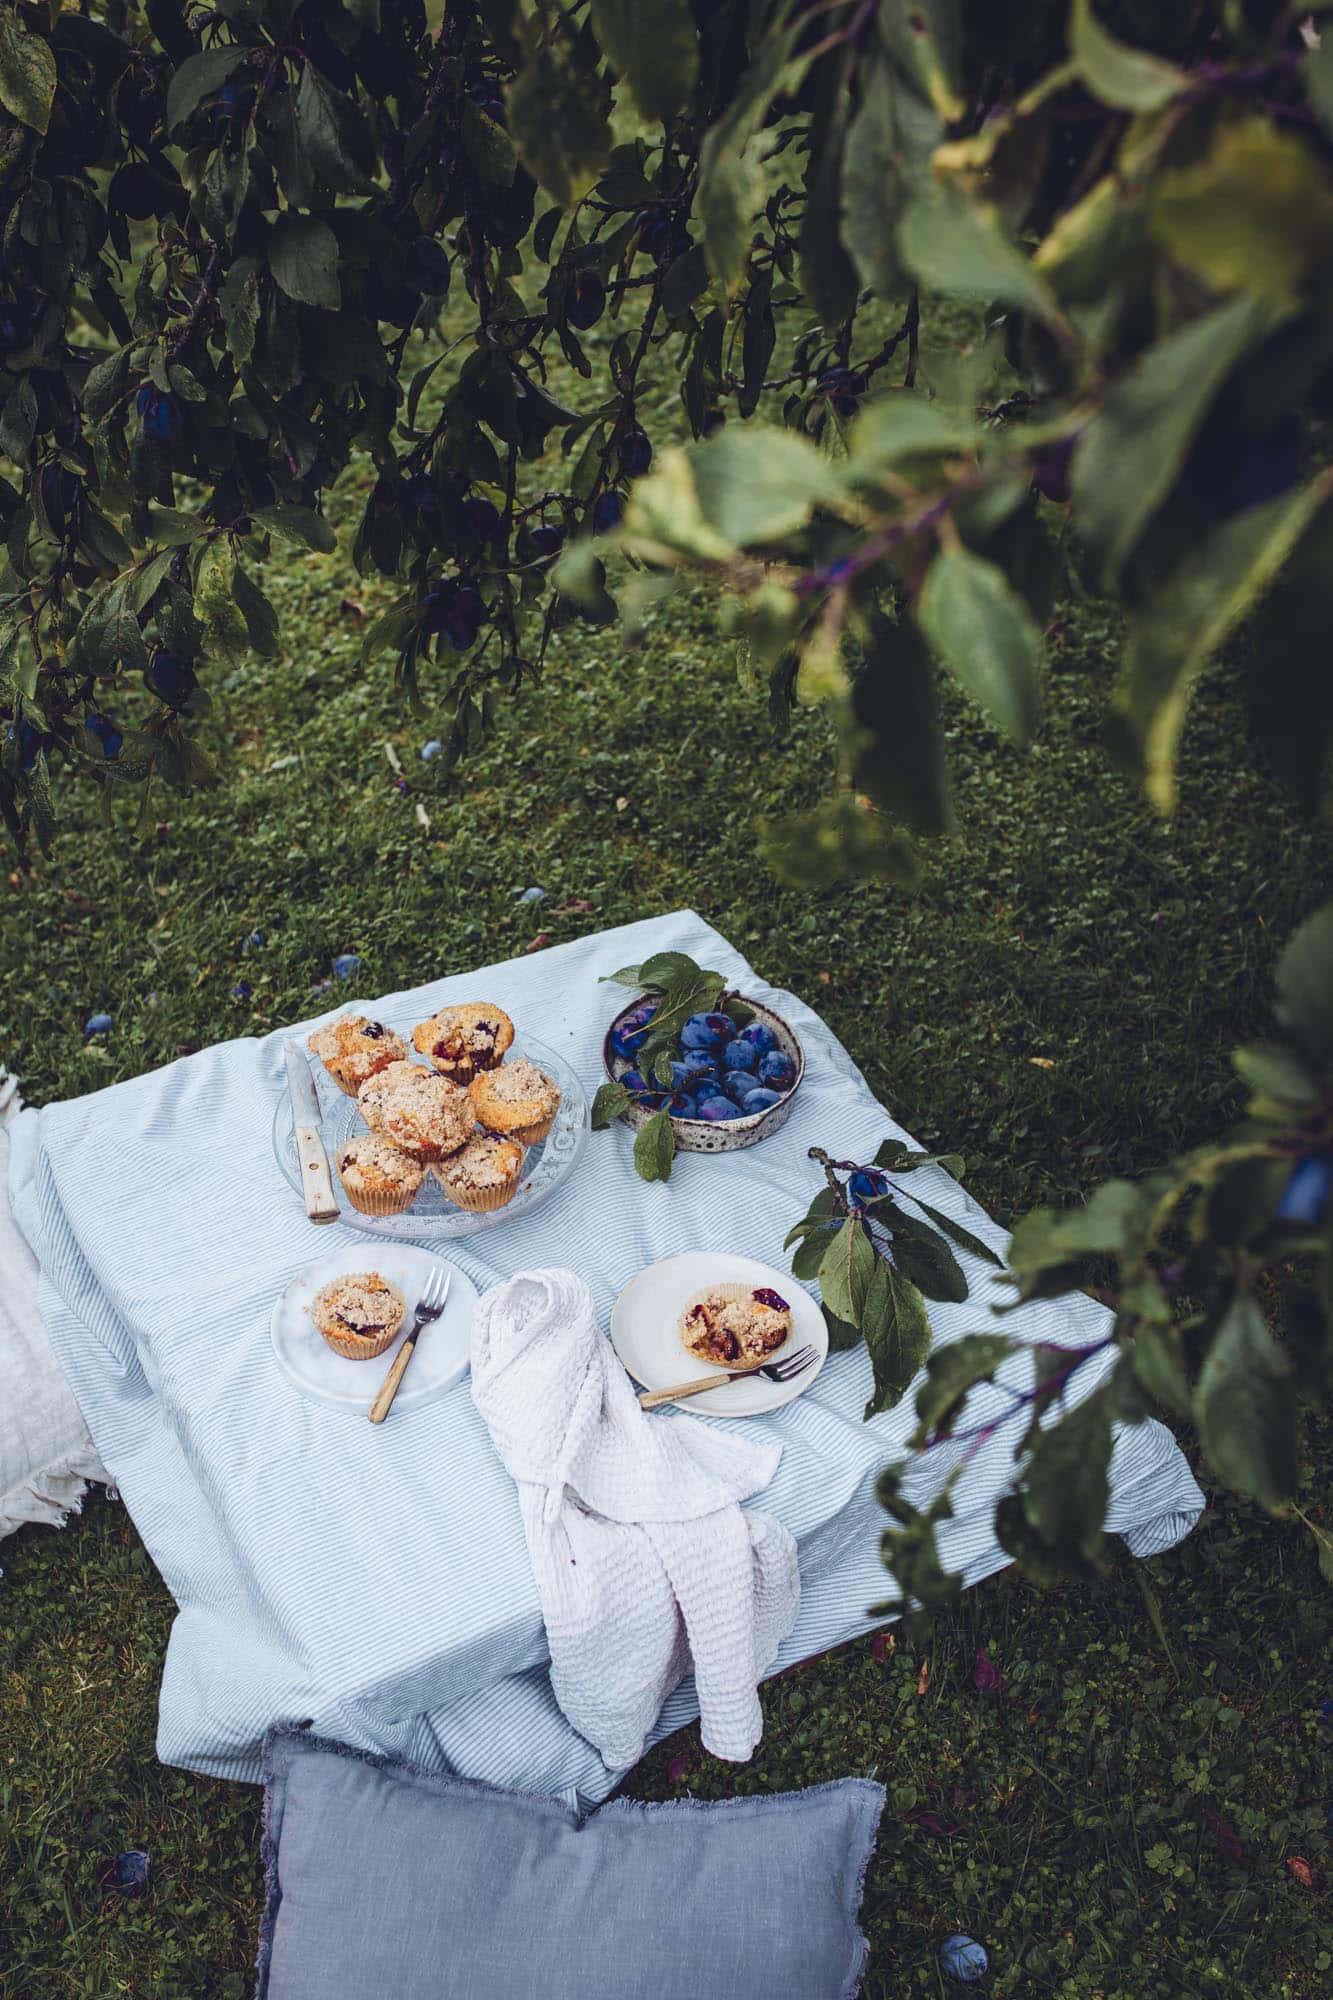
[384,1880]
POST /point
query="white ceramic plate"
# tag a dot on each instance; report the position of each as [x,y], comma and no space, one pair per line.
[432,1216]
[645,1331]
[442,1352]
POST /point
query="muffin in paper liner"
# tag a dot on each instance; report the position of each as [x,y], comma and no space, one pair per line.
[464,1041]
[353,1049]
[484,1175]
[772,1323]
[517,1100]
[378,1178]
[369,1293]
[416,1110]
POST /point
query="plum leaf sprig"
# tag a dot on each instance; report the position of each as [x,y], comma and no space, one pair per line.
[877,1261]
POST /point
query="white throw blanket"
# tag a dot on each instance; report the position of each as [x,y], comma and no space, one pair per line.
[644,1561]
[46,1454]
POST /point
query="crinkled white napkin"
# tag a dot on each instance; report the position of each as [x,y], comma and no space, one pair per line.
[645,1563]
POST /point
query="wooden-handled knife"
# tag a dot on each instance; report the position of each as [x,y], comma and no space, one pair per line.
[316,1180]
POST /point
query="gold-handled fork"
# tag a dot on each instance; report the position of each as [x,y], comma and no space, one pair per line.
[781,1370]
[430,1305]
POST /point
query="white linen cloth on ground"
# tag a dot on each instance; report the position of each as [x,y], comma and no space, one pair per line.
[644,1560]
[46,1454]
[375,1578]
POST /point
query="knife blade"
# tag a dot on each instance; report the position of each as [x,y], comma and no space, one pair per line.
[316,1180]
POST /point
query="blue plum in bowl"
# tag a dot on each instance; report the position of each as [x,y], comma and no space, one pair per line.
[777,1070]
[760,1099]
[756,1036]
[630,1034]
[706,1031]
[739,1055]
[716,1110]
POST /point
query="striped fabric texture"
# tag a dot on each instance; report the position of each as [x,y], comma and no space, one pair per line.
[374,1579]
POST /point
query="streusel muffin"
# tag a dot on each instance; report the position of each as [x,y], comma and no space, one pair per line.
[359,1315]
[420,1113]
[737,1326]
[354,1049]
[517,1099]
[461,1042]
[378,1178]
[484,1175]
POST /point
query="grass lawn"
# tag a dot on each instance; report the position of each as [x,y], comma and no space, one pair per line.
[1057,1004]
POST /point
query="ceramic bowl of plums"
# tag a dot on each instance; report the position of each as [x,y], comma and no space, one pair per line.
[734,1075]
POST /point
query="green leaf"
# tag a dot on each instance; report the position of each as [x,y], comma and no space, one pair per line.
[842,1335]
[102,390]
[655,1148]
[301,525]
[1240,1199]
[1277,1076]
[607,1105]
[1319,79]
[303,257]
[1305,986]
[907,425]
[663,512]
[730,194]
[215,602]
[896,1327]
[27,73]
[828,276]
[1133,450]
[959,246]
[658,972]
[1189,614]
[559,125]
[1065,1485]
[489,148]
[261,620]
[950,1372]
[757,484]
[902,1159]
[1110,1222]
[846,1269]
[1125,78]
[985,634]
[329,135]
[925,38]
[834,841]
[173,527]
[199,77]
[628,975]
[931,1265]
[654,45]
[692,992]
[956,1232]
[1158,1363]
[238,299]
[809,1252]
[1255,215]
[900,759]
[891,137]
[1245,1408]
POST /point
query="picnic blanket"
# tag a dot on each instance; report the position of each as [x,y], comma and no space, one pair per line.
[376,1580]
[46,1454]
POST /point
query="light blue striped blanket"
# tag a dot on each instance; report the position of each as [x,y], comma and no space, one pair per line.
[375,1581]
